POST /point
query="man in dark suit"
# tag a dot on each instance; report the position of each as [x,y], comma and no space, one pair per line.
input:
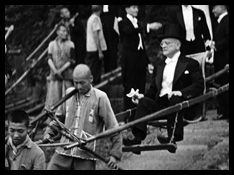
[175,79]
[195,31]
[76,33]
[221,56]
[110,30]
[134,59]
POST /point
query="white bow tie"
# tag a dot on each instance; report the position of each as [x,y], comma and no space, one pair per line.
[169,60]
[135,20]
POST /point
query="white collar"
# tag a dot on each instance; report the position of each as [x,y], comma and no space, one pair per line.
[189,7]
[174,58]
[221,16]
[26,142]
[105,8]
[131,18]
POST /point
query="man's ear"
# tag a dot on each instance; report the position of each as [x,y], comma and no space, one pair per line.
[91,79]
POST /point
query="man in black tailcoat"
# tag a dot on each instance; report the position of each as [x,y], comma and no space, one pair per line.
[134,59]
[194,28]
[221,56]
[175,79]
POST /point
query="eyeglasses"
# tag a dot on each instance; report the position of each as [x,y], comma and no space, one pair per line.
[166,43]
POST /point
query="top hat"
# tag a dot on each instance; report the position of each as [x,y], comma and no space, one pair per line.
[171,31]
[126,6]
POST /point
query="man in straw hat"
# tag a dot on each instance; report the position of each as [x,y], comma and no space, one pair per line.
[175,79]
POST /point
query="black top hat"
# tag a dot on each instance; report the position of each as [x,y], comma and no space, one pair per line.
[171,31]
[126,6]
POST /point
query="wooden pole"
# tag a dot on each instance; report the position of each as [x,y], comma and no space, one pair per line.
[9,30]
[43,42]
[155,116]
[25,73]
[62,100]
[217,74]
[110,74]
[100,85]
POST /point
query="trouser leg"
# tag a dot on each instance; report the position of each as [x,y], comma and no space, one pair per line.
[95,64]
[60,162]
[82,164]
[175,117]
[146,106]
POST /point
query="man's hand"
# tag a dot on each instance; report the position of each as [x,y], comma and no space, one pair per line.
[227,67]
[58,75]
[47,136]
[112,162]
[100,55]
[155,26]
[136,98]
[175,93]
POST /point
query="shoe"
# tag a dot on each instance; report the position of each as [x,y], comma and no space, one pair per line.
[221,117]
[128,142]
[164,140]
[135,141]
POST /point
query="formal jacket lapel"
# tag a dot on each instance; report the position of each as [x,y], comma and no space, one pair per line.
[130,23]
[180,17]
[180,68]
[195,17]
[159,75]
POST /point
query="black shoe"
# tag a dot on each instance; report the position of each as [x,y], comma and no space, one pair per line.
[221,117]
[165,140]
[128,142]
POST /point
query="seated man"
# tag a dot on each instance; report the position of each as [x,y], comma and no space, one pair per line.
[175,79]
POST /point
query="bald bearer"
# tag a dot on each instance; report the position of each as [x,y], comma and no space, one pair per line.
[87,113]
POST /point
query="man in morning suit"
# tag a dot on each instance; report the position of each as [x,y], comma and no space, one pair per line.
[134,59]
[175,79]
[195,31]
[221,56]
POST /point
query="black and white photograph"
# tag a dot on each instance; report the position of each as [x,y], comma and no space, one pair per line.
[117,87]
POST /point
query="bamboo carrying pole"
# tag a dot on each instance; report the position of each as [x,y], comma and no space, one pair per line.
[67,133]
[9,30]
[52,108]
[25,73]
[217,74]
[157,115]
[43,42]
